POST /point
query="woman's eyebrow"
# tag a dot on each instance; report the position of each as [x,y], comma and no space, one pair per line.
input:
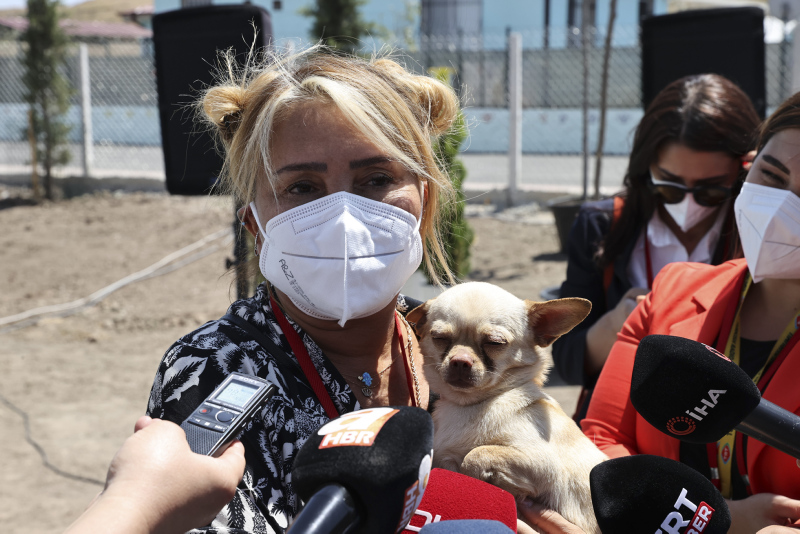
[359,163]
[311,166]
[775,162]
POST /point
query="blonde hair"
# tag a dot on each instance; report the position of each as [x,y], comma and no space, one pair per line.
[401,112]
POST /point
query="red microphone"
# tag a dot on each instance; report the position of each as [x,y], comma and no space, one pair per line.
[450,495]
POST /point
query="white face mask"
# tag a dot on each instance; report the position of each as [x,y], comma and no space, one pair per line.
[769,228]
[342,256]
[687,213]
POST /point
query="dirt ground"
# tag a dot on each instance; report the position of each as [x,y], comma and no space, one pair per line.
[81,381]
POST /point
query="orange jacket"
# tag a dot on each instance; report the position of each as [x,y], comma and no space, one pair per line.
[688,300]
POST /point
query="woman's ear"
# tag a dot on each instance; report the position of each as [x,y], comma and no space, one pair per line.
[245,215]
[747,160]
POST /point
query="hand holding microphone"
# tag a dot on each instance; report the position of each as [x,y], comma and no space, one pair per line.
[363,472]
[690,391]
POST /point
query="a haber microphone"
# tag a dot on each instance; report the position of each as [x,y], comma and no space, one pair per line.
[467,526]
[363,472]
[644,493]
[451,496]
[690,391]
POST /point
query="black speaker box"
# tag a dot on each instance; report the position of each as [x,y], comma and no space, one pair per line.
[725,41]
[186,44]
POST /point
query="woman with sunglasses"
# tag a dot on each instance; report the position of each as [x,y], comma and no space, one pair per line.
[749,309]
[685,166]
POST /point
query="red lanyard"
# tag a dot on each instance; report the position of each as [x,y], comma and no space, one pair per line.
[311,373]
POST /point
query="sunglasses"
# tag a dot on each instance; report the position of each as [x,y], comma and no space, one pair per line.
[705,195]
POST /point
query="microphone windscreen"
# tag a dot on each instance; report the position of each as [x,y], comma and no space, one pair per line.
[450,496]
[689,390]
[381,455]
[644,493]
[467,526]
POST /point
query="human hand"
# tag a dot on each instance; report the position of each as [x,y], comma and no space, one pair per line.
[600,337]
[156,484]
[774,529]
[626,305]
[545,521]
[763,510]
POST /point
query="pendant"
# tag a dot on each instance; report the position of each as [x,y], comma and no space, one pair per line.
[365,379]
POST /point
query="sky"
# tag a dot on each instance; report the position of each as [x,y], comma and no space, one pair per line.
[10,4]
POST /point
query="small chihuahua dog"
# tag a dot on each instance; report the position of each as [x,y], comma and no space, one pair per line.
[493,421]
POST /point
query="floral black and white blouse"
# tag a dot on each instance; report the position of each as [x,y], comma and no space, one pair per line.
[197,363]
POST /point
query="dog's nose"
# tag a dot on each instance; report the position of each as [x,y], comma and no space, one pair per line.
[461,361]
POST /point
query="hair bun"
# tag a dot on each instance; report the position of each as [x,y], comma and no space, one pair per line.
[440,101]
[223,105]
[437,101]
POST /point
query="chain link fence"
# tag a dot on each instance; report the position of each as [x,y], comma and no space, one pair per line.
[127,138]
[124,111]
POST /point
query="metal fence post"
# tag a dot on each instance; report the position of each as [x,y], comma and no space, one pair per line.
[86,111]
[514,114]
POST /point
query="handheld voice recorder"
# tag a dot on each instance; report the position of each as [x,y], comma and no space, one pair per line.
[223,415]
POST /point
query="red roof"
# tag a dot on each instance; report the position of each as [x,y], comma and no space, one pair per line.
[80,28]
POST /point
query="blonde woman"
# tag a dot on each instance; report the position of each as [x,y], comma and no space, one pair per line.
[331,155]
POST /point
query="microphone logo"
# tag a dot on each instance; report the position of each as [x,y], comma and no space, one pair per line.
[681,426]
[355,428]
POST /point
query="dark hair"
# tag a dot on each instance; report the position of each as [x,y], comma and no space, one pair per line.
[787,116]
[705,112]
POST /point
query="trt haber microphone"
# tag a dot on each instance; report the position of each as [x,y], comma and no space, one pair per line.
[690,391]
[450,496]
[363,472]
[644,493]
[467,526]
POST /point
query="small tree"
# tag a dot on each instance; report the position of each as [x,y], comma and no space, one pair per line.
[338,23]
[458,235]
[47,90]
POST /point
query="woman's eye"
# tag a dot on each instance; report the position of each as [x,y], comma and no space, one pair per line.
[771,176]
[380,180]
[300,188]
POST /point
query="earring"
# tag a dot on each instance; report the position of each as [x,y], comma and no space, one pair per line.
[255,245]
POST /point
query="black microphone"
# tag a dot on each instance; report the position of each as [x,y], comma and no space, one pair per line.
[644,493]
[363,472]
[692,392]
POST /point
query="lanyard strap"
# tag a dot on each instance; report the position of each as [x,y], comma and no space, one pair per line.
[648,262]
[720,453]
[303,358]
[311,373]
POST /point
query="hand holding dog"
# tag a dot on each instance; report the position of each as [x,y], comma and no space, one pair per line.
[546,521]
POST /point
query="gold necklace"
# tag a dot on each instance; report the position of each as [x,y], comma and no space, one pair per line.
[411,359]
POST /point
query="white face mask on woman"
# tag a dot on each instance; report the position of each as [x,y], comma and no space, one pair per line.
[687,213]
[769,228]
[342,256]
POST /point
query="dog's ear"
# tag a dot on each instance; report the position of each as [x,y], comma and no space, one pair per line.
[418,317]
[552,319]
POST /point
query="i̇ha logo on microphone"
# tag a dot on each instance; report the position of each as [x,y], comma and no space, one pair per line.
[680,426]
